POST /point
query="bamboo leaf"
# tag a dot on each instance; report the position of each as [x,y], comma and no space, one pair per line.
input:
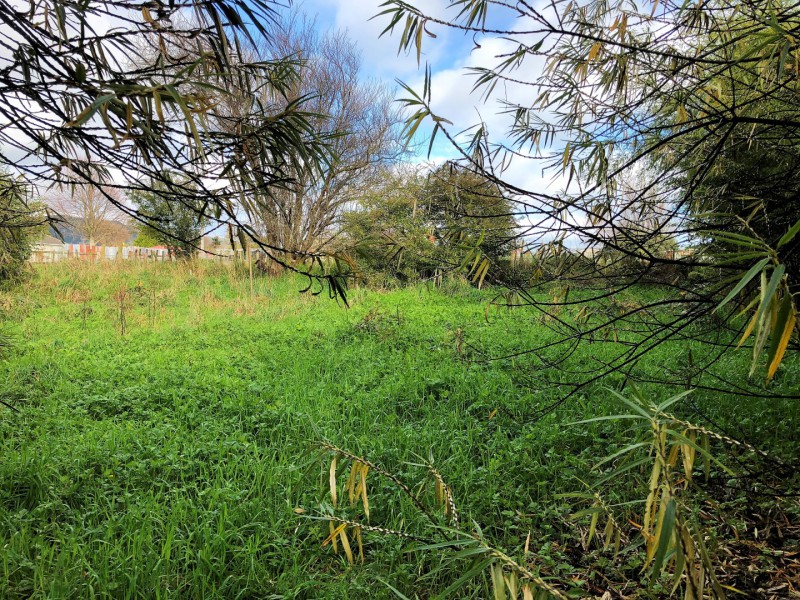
[511,584]
[670,401]
[364,500]
[334,532]
[351,482]
[593,526]
[789,235]
[667,529]
[498,582]
[754,270]
[772,286]
[470,573]
[781,335]
[527,594]
[360,544]
[346,544]
[332,479]
[747,331]
[619,453]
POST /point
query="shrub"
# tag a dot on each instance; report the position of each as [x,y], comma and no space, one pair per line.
[21,223]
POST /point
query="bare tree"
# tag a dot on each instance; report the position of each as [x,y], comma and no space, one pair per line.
[88,211]
[357,117]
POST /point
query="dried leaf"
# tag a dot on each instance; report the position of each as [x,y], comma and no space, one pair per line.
[333,479]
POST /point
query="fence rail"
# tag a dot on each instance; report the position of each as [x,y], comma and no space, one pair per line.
[50,253]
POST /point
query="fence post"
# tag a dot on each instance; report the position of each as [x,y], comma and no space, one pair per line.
[250,264]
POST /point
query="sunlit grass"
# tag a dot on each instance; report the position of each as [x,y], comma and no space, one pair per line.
[169,461]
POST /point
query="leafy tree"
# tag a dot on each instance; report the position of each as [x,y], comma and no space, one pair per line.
[411,224]
[464,205]
[22,222]
[174,222]
[388,232]
[145,237]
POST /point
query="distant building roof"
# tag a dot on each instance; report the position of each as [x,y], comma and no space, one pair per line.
[49,240]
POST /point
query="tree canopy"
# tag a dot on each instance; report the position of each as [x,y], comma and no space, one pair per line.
[176,222]
[22,220]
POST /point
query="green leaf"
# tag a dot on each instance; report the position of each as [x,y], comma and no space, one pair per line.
[789,235]
[89,111]
[667,529]
[638,408]
[754,270]
[394,590]
[476,569]
[607,418]
[670,401]
[772,286]
[625,450]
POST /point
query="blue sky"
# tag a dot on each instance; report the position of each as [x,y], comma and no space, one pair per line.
[448,55]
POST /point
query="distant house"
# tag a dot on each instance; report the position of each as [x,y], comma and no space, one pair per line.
[48,249]
[49,241]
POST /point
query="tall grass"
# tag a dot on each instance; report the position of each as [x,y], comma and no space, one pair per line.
[177,459]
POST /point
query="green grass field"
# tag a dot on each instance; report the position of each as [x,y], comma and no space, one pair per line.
[165,441]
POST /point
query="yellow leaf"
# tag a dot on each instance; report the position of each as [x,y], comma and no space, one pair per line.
[594,51]
[345,544]
[335,531]
[527,594]
[364,470]
[782,345]
[688,454]
[655,8]
[651,499]
[360,544]
[608,532]
[511,584]
[351,482]
[498,583]
[673,456]
[748,331]
[593,527]
[333,479]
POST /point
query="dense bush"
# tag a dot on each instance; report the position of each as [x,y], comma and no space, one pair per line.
[21,223]
[415,225]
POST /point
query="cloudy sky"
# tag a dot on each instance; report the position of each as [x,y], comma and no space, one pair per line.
[448,55]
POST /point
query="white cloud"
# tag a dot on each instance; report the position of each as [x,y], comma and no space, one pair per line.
[380,54]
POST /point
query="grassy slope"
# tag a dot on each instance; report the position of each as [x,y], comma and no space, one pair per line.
[169,462]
